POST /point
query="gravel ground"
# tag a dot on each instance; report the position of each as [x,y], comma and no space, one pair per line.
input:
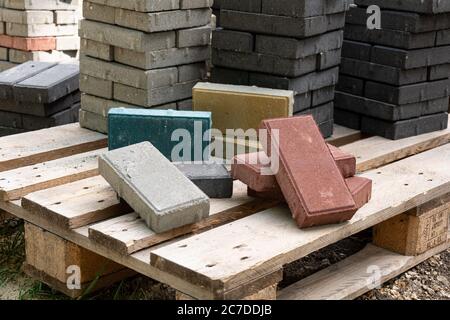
[428,281]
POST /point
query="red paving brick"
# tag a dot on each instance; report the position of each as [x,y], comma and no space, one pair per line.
[28,44]
[275,194]
[308,176]
[361,190]
[359,187]
[345,162]
[247,168]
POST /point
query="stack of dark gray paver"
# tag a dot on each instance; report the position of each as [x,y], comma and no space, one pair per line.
[283,44]
[141,53]
[394,81]
[38,95]
[42,30]
[216,10]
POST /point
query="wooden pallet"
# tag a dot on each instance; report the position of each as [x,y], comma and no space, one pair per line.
[238,252]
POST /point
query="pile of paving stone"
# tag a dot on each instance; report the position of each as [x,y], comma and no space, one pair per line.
[284,44]
[303,179]
[44,30]
[146,54]
[38,95]
[394,81]
[141,153]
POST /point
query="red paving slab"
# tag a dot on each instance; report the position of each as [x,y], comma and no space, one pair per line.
[345,162]
[308,176]
[361,190]
[359,187]
[28,44]
[248,167]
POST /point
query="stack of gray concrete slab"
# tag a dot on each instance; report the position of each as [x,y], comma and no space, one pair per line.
[141,53]
[394,81]
[38,95]
[44,30]
[283,44]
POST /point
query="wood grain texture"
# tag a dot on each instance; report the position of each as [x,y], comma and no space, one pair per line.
[343,135]
[129,233]
[235,253]
[413,235]
[235,146]
[53,255]
[18,182]
[77,204]
[48,144]
[377,151]
[86,288]
[356,275]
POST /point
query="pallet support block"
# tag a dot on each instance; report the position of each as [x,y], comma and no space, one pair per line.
[52,259]
[416,231]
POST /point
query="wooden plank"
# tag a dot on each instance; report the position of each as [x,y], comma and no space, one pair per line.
[85,288]
[356,275]
[139,261]
[137,236]
[48,144]
[129,233]
[91,200]
[269,293]
[304,242]
[4,216]
[77,204]
[343,135]
[237,252]
[19,182]
[376,151]
[233,146]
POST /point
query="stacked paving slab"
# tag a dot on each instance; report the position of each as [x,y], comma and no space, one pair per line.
[141,53]
[283,44]
[38,95]
[43,30]
[394,82]
[216,11]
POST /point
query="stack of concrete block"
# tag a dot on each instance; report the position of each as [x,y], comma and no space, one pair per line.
[394,81]
[283,44]
[44,30]
[141,53]
[37,95]
[307,170]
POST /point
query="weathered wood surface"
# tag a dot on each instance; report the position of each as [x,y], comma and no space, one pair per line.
[48,144]
[238,252]
[356,275]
